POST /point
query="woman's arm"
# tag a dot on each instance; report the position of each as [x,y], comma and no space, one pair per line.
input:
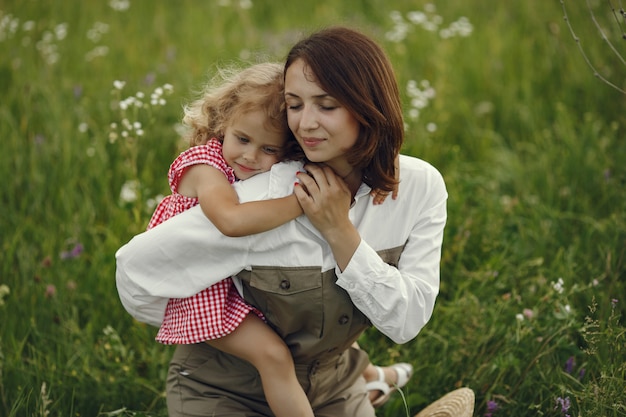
[220,203]
[398,298]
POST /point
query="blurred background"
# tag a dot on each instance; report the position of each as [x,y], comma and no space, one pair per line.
[519,107]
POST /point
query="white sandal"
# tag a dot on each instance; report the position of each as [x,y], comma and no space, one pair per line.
[404,371]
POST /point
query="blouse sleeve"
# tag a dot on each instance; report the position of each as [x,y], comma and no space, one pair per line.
[176,259]
[400,300]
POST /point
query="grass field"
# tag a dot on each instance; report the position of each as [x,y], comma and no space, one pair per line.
[498,96]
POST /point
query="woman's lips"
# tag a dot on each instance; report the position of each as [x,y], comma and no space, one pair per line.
[311,142]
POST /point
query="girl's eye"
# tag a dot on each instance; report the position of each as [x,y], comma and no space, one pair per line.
[328,108]
[271,151]
[243,140]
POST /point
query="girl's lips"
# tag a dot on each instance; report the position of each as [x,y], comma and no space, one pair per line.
[245,168]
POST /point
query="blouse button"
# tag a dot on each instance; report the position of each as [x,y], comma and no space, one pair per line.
[285,284]
[343,319]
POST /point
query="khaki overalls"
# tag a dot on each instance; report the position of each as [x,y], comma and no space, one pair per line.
[318,322]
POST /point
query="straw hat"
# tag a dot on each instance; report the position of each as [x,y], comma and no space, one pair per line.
[458,403]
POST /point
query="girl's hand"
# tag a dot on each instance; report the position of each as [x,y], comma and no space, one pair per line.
[380,196]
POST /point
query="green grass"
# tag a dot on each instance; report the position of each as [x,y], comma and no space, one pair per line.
[530,143]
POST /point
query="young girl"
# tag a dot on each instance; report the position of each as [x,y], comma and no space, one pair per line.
[237,130]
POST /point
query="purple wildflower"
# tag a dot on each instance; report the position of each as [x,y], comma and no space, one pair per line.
[564,403]
[569,365]
[581,374]
[492,407]
[149,78]
[614,302]
[78,91]
[51,291]
[73,253]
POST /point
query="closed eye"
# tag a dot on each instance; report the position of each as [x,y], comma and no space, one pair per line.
[271,151]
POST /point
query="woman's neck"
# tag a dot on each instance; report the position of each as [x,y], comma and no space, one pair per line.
[353,179]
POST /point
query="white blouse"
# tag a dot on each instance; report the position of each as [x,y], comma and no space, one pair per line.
[186,254]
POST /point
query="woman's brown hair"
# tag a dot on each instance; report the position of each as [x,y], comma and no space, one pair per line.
[355,70]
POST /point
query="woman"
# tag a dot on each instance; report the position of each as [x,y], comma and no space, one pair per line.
[325,277]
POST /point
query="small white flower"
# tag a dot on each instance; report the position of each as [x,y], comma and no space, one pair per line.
[119,5]
[245,4]
[558,286]
[119,84]
[519,317]
[60,31]
[4,291]
[445,33]
[417,18]
[128,194]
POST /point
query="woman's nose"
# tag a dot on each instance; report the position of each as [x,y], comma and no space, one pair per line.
[308,119]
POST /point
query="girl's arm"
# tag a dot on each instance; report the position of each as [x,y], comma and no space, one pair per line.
[219,202]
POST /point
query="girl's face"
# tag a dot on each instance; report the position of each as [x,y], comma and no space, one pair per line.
[323,127]
[249,148]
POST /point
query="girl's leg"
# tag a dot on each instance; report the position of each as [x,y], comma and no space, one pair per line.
[255,342]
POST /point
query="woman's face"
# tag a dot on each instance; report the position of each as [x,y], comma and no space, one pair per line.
[323,127]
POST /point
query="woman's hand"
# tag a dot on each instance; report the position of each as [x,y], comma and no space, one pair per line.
[325,200]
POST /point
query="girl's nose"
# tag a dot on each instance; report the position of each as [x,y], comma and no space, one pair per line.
[250,155]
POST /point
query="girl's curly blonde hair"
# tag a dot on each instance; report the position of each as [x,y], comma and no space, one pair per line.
[233,92]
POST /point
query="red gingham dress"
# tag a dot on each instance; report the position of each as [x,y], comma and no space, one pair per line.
[215,311]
